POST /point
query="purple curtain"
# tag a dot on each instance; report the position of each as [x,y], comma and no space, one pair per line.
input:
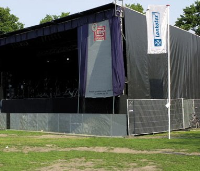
[117,56]
[82,55]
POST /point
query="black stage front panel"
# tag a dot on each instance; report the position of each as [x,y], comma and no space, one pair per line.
[40,105]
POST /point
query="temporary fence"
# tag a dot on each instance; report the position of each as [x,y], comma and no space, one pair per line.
[3,120]
[147,116]
[88,124]
[144,116]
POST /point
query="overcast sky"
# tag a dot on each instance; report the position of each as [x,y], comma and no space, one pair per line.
[30,12]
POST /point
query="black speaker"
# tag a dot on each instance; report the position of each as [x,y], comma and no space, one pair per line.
[156,88]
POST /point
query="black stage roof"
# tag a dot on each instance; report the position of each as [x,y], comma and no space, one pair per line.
[49,27]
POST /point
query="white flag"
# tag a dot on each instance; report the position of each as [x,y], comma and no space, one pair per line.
[157,21]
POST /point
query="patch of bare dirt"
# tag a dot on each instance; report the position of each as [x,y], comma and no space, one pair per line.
[59,136]
[3,135]
[50,147]
[74,164]
[82,164]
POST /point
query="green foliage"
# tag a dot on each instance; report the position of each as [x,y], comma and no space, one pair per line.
[190,20]
[136,7]
[49,18]
[8,21]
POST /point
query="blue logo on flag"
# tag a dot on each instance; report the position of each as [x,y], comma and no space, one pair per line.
[156,29]
[157,42]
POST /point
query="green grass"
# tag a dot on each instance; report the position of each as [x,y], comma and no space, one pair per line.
[180,149]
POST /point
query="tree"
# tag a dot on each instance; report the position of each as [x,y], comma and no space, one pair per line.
[49,18]
[190,20]
[136,7]
[8,22]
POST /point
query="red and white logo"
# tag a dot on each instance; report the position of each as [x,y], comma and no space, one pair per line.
[99,32]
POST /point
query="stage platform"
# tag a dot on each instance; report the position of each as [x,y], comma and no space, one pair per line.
[40,105]
[65,105]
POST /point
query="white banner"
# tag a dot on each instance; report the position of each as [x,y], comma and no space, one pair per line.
[99,63]
[157,22]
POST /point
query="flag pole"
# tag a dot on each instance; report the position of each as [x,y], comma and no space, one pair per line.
[169,77]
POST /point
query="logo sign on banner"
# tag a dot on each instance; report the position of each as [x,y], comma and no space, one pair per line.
[99,32]
[156,17]
[156,29]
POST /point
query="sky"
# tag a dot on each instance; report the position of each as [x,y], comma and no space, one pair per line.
[30,12]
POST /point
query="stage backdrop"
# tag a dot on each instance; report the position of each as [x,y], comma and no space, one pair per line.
[101,59]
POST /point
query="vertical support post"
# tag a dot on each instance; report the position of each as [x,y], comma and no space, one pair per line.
[128,120]
[183,113]
[193,106]
[7,120]
[115,6]
[82,124]
[111,125]
[70,123]
[113,104]
[79,68]
[120,13]
[58,122]
[169,78]
[37,121]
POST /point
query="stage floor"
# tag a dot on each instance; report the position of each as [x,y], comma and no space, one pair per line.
[40,105]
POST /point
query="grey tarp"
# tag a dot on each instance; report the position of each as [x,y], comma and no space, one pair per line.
[147,74]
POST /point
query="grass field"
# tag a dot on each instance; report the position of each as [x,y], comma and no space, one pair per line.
[22,150]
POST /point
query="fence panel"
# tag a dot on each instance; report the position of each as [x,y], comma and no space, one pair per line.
[176,114]
[188,110]
[151,115]
[147,116]
[2,120]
